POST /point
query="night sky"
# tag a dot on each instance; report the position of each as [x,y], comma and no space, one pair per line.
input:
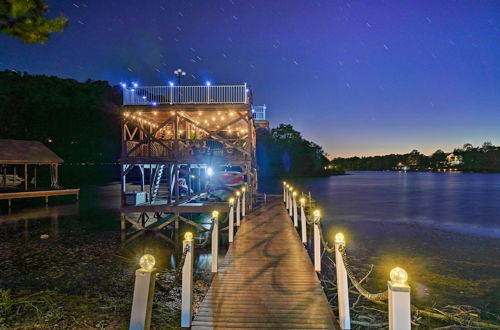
[358,78]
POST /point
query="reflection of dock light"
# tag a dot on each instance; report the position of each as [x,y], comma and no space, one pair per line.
[398,275]
[147,262]
[210,171]
[188,236]
[339,238]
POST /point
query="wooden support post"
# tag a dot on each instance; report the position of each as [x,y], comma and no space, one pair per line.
[238,209]
[399,300]
[35,177]
[144,289]
[46,199]
[295,213]
[303,220]
[342,285]
[317,242]
[123,227]
[231,220]
[187,281]
[9,202]
[25,177]
[215,240]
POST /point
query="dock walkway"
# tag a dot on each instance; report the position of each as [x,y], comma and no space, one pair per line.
[267,279]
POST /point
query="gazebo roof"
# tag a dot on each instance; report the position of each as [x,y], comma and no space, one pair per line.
[26,152]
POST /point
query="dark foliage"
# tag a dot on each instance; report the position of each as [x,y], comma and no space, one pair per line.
[282,151]
[485,158]
[78,121]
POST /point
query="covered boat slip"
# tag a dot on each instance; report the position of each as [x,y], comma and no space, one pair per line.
[19,161]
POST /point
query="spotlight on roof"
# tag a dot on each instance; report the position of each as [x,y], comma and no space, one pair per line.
[208,83]
[171,83]
[135,84]
[124,85]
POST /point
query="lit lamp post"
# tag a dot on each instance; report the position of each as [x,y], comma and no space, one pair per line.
[187,281]
[317,242]
[399,300]
[238,209]
[290,202]
[284,191]
[144,289]
[179,73]
[243,203]
[295,214]
[215,240]
[231,219]
[303,220]
[342,287]
[287,189]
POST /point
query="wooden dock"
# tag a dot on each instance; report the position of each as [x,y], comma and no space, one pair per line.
[267,279]
[39,193]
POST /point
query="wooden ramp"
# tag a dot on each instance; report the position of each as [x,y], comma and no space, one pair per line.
[267,280]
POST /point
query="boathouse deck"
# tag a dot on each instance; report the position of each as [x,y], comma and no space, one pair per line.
[266,280]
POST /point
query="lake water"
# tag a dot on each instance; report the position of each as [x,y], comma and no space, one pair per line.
[462,202]
[443,228]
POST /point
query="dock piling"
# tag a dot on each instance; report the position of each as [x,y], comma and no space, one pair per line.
[317,242]
[231,220]
[399,300]
[215,240]
[238,209]
[145,277]
[342,285]
[295,214]
[187,281]
[303,220]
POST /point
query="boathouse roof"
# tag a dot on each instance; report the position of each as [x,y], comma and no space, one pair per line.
[26,152]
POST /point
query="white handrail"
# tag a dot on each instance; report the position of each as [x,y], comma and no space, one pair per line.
[155,95]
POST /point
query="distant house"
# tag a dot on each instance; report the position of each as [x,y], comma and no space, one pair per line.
[454,160]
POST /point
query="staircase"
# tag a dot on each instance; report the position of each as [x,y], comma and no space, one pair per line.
[160,184]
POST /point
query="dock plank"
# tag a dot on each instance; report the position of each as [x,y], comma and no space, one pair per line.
[266,280]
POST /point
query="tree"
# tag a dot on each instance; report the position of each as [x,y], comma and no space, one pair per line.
[24,19]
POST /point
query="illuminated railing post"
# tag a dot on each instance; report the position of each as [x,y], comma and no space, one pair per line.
[243,202]
[187,281]
[317,242]
[215,240]
[287,202]
[303,220]
[290,202]
[399,300]
[238,208]
[284,192]
[342,286]
[231,219]
[144,289]
[295,212]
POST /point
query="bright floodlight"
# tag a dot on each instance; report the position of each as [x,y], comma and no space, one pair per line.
[398,275]
[153,104]
[339,238]
[124,85]
[208,83]
[135,84]
[147,262]
[215,214]
[171,83]
[144,97]
[317,213]
[210,171]
[188,236]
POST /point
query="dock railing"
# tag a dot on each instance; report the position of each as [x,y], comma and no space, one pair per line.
[259,112]
[156,95]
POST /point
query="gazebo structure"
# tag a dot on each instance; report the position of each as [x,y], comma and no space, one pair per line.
[28,155]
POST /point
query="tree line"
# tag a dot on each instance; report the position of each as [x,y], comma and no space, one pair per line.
[484,158]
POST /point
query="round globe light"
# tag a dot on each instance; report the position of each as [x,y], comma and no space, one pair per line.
[215,214]
[302,201]
[317,213]
[147,262]
[294,194]
[188,236]
[231,200]
[398,275]
[238,193]
[284,183]
[244,189]
[339,238]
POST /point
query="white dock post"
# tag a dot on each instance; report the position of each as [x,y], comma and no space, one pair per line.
[284,192]
[295,213]
[287,202]
[243,202]
[290,202]
[317,242]
[215,240]
[187,281]
[342,285]
[144,290]
[238,209]
[231,219]
[399,300]
[303,220]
